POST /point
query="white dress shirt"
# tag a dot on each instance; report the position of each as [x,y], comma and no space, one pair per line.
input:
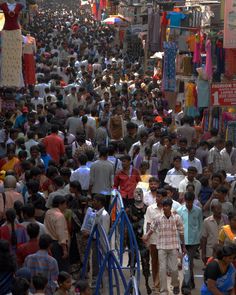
[82,174]
[195,163]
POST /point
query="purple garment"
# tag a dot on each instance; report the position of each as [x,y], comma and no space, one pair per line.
[209,71]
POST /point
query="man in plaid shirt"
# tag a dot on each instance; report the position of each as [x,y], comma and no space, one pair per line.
[169,228]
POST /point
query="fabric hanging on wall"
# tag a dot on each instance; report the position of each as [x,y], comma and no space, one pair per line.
[191,100]
[230,62]
[197,50]
[169,72]
[209,70]
[231,132]
[220,57]
[154,31]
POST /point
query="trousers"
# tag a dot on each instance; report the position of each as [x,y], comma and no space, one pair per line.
[168,259]
[155,266]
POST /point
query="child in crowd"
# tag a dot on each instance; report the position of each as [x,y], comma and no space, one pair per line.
[82,288]
[65,284]
[39,283]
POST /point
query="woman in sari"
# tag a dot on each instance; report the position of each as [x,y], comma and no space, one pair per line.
[219,276]
[11,160]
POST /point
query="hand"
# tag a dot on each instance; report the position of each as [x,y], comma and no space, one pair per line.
[145,238]
[65,253]
[85,234]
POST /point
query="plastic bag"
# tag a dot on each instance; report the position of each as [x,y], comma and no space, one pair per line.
[88,220]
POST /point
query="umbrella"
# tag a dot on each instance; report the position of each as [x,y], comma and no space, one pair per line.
[112,21]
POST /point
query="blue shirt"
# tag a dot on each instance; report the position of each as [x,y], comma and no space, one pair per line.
[192,221]
[175,18]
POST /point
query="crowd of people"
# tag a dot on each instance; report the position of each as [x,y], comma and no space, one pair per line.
[95,122]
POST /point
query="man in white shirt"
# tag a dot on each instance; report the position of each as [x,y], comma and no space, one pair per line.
[191,160]
[150,196]
[82,174]
[229,155]
[71,100]
[36,100]
[175,175]
[142,143]
[189,179]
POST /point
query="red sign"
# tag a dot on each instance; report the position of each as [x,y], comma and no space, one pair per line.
[223,94]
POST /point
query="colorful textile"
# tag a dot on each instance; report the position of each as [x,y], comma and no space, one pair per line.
[209,70]
[169,80]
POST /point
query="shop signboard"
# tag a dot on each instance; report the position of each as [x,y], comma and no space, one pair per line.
[230,24]
[223,94]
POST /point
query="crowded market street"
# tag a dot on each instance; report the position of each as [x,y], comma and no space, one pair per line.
[117,147]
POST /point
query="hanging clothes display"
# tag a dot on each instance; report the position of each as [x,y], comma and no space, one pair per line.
[203,89]
[11,43]
[164,23]
[154,31]
[231,132]
[187,65]
[197,51]
[220,58]
[230,64]
[191,100]
[29,50]
[169,79]
[209,70]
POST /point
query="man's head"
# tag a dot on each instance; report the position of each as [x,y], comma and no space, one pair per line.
[192,173]
[177,162]
[221,193]
[216,180]
[75,187]
[219,144]
[60,202]
[160,196]
[216,208]
[229,146]
[189,199]
[131,128]
[99,201]
[28,211]
[126,160]
[10,182]
[138,195]
[167,205]
[191,153]
[39,283]
[33,230]
[153,184]
[45,242]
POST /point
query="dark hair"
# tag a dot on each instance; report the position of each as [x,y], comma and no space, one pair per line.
[33,186]
[103,151]
[59,181]
[35,171]
[222,172]
[189,196]
[216,175]
[162,191]
[45,241]
[58,200]
[7,260]
[90,155]
[167,187]
[82,286]
[126,158]
[33,230]
[10,217]
[177,158]
[65,171]
[225,251]
[204,181]
[39,282]
[192,169]
[222,190]
[63,276]
[131,125]
[54,128]
[82,159]
[76,184]
[100,198]
[20,286]
[153,179]
[167,202]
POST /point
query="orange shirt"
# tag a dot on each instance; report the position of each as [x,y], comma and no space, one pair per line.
[54,146]
[191,42]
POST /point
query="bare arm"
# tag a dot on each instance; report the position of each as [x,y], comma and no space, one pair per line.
[211,285]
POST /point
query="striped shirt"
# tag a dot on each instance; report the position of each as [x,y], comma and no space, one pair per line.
[167,231]
[42,263]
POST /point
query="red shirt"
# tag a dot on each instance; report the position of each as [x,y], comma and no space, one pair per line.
[127,184]
[26,249]
[54,146]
